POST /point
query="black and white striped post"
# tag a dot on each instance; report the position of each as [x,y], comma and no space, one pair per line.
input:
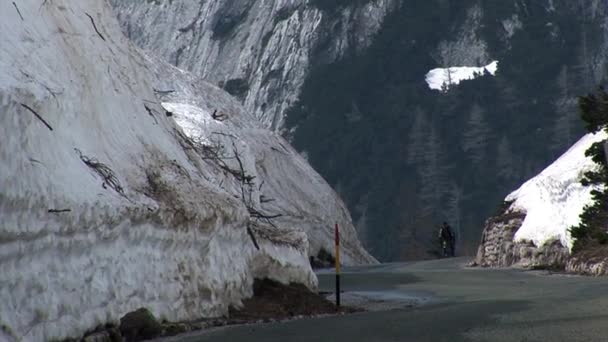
[337,266]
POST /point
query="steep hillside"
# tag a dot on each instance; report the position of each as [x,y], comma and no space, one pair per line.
[107,205]
[259,51]
[406,157]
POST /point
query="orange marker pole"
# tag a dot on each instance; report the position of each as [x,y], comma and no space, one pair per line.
[337,266]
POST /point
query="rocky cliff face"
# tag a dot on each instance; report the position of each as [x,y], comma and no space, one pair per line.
[532,229]
[259,51]
[116,194]
[498,247]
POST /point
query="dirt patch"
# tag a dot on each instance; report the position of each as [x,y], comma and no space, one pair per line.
[271,302]
[276,301]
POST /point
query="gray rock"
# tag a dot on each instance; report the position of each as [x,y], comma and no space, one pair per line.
[266,47]
[140,325]
[498,249]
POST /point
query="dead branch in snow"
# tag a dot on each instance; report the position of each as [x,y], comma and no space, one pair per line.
[151,112]
[59,211]
[18,11]
[216,152]
[225,134]
[37,115]
[31,78]
[95,27]
[163,92]
[104,171]
[252,236]
[218,116]
[264,199]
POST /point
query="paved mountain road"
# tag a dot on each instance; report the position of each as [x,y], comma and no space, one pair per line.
[442,300]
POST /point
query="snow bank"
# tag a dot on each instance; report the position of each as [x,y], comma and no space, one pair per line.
[285,182]
[555,198]
[444,78]
[104,205]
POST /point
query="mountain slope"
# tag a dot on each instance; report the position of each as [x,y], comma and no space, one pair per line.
[260,51]
[107,206]
[405,157]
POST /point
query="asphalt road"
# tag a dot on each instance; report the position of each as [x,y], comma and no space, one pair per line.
[444,301]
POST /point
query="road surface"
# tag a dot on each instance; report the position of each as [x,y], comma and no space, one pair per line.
[442,300]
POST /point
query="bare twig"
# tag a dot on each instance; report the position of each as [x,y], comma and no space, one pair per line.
[163,92]
[224,134]
[37,115]
[58,211]
[253,239]
[108,176]
[51,91]
[95,27]
[218,116]
[263,199]
[18,11]
[216,153]
[151,112]
[36,161]
[256,214]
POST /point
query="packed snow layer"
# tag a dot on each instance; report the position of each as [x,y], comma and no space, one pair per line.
[554,200]
[104,205]
[285,184]
[444,78]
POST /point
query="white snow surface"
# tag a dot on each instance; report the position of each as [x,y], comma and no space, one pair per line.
[173,236]
[444,78]
[554,199]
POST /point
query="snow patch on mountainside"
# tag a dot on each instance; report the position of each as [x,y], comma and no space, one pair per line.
[555,198]
[445,78]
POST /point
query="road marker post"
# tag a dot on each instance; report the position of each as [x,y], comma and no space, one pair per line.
[337,265]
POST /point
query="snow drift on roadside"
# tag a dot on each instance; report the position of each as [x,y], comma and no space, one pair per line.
[104,207]
[554,199]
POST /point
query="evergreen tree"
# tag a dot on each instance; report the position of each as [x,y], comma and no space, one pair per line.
[454,211]
[476,135]
[432,173]
[505,161]
[594,219]
[565,109]
[417,137]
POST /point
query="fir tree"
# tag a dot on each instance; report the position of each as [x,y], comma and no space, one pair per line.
[594,219]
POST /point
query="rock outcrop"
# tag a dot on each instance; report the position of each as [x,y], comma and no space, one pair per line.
[260,51]
[498,248]
[532,228]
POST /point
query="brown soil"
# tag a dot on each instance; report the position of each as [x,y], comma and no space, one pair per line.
[275,301]
[271,302]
